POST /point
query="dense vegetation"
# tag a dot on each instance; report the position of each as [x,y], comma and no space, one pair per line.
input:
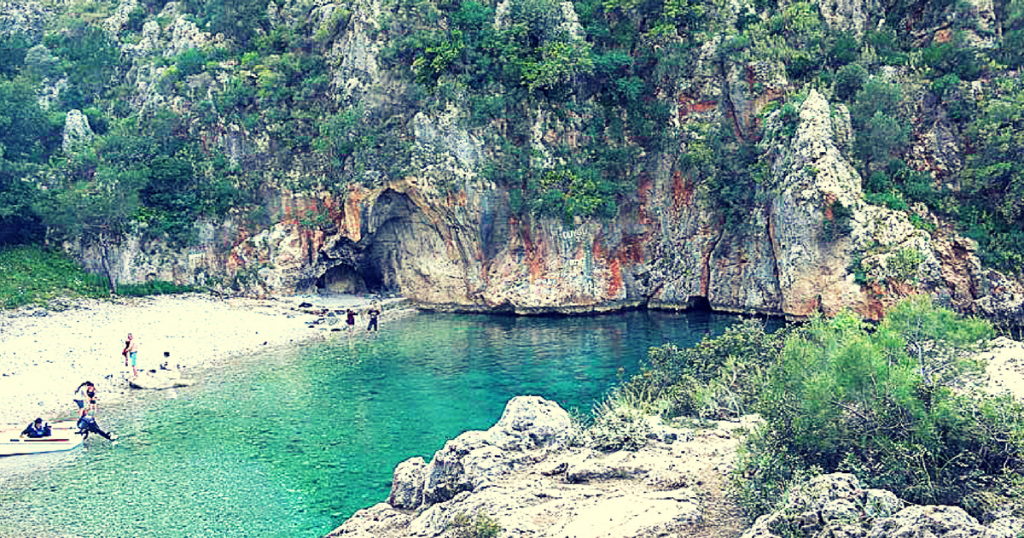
[31,275]
[897,404]
[613,78]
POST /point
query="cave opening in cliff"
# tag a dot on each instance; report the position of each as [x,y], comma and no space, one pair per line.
[343,279]
[700,303]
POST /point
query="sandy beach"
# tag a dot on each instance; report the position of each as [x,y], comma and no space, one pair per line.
[45,355]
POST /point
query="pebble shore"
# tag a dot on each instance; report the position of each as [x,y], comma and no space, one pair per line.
[45,354]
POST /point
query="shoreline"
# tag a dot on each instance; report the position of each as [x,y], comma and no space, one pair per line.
[45,355]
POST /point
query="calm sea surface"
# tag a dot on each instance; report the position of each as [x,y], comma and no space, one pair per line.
[291,443]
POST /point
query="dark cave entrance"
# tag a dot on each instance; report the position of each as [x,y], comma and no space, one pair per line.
[699,303]
[396,231]
[343,279]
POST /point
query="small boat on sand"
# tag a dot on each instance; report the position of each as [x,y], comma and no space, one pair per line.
[63,437]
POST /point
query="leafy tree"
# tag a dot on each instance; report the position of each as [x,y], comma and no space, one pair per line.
[338,137]
[993,178]
[849,80]
[1012,47]
[568,195]
[26,136]
[88,57]
[877,118]
[13,48]
[239,20]
[941,342]
[877,139]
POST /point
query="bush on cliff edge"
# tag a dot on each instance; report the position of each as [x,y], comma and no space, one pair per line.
[892,404]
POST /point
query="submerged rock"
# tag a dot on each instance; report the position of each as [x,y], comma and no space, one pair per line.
[159,380]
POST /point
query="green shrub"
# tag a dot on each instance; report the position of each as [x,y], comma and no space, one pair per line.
[620,420]
[917,222]
[718,378]
[839,224]
[879,402]
[482,526]
[886,199]
[34,275]
[849,80]
[191,62]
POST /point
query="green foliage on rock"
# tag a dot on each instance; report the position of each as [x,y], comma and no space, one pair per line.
[887,403]
[993,178]
[27,136]
[481,526]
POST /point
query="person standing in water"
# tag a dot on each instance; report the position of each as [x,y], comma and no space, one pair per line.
[82,396]
[87,424]
[373,313]
[350,320]
[130,352]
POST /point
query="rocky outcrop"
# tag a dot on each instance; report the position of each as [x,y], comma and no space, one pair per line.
[25,18]
[77,133]
[523,475]
[836,505]
[527,477]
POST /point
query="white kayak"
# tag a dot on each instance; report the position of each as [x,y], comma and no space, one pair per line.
[63,437]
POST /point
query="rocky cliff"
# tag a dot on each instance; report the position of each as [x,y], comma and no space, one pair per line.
[431,222]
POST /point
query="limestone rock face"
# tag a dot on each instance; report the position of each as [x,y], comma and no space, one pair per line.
[835,505]
[77,133]
[476,458]
[928,521]
[441,231]
[812,175]
[26,18]
[356,50]
[847,15]
[115,24]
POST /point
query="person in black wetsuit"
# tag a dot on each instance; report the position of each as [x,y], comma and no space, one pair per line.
[87,424]
[37,429]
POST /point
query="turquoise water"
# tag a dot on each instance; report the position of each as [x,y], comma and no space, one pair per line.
[291,443]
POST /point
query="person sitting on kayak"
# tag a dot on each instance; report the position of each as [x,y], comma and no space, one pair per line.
[37,429]
[87,424]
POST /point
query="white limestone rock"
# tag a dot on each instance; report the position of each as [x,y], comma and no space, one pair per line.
[77,133]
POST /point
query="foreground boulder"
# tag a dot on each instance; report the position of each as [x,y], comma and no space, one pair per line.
[835,505]
[526,476]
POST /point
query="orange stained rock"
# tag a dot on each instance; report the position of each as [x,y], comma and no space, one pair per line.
[351,220]
[688,105]
[616,284]
[682,191]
